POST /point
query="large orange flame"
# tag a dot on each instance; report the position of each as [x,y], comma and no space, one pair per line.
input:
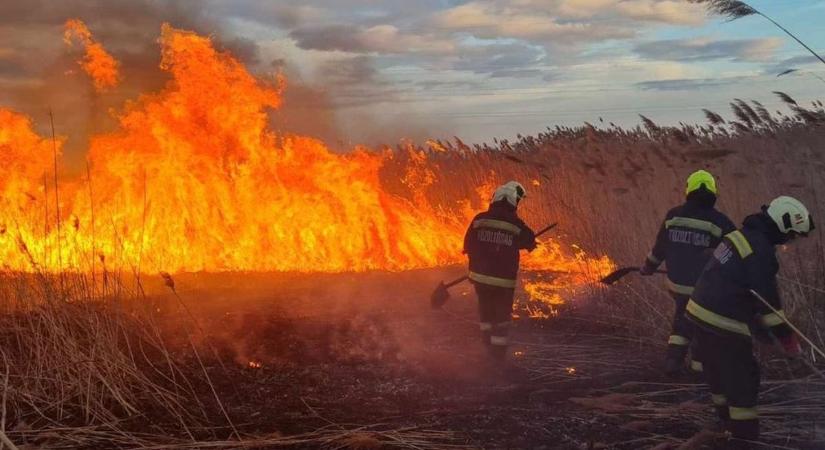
[97,62]
[194,180]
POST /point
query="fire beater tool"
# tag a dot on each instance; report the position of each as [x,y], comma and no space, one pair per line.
[617,275]
[441,293]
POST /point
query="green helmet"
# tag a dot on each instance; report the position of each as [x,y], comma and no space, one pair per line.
[701,178]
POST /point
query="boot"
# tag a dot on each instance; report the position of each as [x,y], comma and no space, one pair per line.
[485,338]
[744,433]
[723,417]
[675,359]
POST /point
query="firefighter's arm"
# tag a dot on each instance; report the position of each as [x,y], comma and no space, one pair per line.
[657,254]
[527,238]
[762,271]
[467,240]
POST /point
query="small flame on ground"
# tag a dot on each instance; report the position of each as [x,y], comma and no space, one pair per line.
[570,370]
[518,354]
[254,365]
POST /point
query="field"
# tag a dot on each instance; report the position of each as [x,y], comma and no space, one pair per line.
[210,283]
[347,361]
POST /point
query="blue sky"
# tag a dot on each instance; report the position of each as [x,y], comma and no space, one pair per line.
[376,71]
[486,68]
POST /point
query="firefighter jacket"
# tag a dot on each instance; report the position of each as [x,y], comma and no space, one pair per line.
[686,240]
[745,260]
[492,243]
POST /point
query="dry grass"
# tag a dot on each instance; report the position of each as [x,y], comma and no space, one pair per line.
[609,188]
[82,369]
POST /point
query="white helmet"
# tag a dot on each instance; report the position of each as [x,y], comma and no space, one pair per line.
[790,215]
[512,191]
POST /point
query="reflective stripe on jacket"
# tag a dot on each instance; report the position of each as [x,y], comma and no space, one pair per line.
[685,242]
[493,241]
[745,260]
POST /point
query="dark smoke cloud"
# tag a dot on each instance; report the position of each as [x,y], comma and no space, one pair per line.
[38,73]
[46,74]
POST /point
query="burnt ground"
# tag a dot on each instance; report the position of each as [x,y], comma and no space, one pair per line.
[350,351]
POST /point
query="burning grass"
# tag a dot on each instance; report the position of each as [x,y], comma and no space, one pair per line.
[192,183]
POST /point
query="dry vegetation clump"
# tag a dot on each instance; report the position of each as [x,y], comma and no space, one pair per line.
[84,365]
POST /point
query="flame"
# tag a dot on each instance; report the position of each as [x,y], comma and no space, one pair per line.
[193,179]
[97,62]
[559,273]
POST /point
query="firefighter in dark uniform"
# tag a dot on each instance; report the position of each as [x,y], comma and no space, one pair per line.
[493,242]
[726,313]
[685,242]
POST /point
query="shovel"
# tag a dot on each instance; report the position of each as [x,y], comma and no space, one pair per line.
[441,293]
[617,275]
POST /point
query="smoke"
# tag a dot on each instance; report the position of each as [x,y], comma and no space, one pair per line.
[49,77]
[365,320]
[344,103]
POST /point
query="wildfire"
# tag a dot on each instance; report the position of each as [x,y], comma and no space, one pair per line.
[194,180]
[97,62]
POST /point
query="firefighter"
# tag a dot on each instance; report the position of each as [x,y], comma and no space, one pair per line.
[685,241]
[726,313]
[492,242]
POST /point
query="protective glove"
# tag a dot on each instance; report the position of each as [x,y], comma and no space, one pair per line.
[791,345]
[647,270]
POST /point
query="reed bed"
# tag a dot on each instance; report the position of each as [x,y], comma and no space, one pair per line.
[82,368]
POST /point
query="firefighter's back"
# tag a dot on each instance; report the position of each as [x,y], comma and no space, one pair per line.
[493,243]
[692,234]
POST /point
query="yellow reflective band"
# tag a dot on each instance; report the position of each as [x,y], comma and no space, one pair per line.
[678,340]
[694,224]
[485,326]
[653,259]
[679,288]
[719,399]
[697,366]
[492,281]
[499,340]
[498,225]
[741,243]
[737,413]
[711,318]
[773,319]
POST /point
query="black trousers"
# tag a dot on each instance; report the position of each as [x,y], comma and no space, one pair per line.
[681,335]
[495,308]
[732,372]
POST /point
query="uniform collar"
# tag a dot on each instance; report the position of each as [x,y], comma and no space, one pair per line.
[763,224]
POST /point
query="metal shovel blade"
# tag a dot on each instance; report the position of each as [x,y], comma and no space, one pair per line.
[439,296]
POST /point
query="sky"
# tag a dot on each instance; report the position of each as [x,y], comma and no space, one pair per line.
[367,71]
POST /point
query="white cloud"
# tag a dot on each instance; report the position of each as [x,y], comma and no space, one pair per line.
[667,11]
[707,49]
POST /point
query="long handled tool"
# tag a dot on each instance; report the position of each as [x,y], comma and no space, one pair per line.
[441,293]
[797,331]
[617,275]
